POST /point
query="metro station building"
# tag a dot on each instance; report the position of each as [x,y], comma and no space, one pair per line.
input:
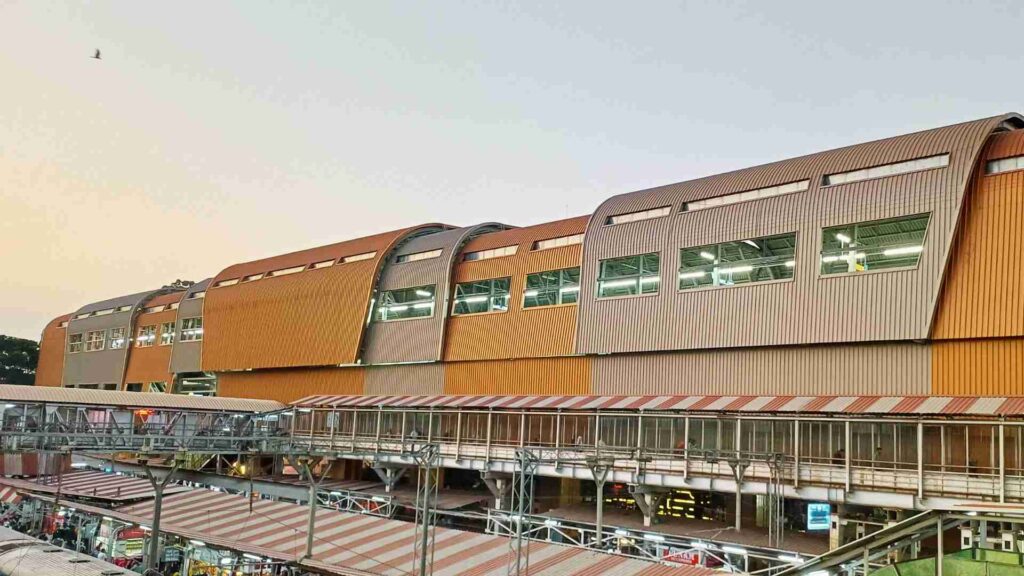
[882,279]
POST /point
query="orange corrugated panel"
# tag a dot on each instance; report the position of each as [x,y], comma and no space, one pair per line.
[152,363]
[988,367]
[982,294]
[425,379]
[517,332]
[310,318]
[530,376]
[287,385]
[50,371]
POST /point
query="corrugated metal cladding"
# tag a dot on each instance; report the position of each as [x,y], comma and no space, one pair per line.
[517,332]
[891,369]
[407,379]
[311,318]
[989,367]
[530,376]
[809,309]
[152,363]
[982,296]
[50,370]
[105,366]
[287,384]
[186,356]
[419,339]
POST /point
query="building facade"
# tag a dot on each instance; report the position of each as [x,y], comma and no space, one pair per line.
[890,268]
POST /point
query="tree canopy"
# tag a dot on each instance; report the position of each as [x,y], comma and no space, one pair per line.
[18,359]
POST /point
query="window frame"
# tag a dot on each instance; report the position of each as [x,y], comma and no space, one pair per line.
[559,289]
[826,183]
[491,295]
[382,303]
[718,245]
[121,334]
[641,215]
[167,338]
[762,193]
[419,256]
[91,343]
[569,240]
[144,331]
[847,274]
[991,164]
[490,253]
[194,336]
[76,343]
[639,277]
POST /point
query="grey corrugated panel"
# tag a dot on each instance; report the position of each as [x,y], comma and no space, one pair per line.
[13,393]
[419,339]
[809,309]
[405,380]
[105,366]
[889,369]
[187,356]
[129,300]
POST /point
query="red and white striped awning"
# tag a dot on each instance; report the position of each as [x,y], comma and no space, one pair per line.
[368,543]
[93,485]
[889,405]
[9,495]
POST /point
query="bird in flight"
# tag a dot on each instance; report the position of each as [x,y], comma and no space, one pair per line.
[97,55]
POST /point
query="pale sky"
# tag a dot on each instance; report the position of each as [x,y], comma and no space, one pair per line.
[213,132]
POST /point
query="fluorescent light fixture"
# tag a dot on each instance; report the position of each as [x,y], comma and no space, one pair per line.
[903,250]
[423,293]
[78,465]
[197,543]
[790,263]
[819,573]
[687,275]
[843,238]
[252,557]
[305,410]
[108,518]
[226,561]
[552,523]
[8,406]
[699,544]
[475,299]
[144,527]
[707,255]
[618,283]
[338,494]
[830,258]
[752,243]
[569,289]
[423,305]
[530,293]
[972,513]
[791,559]
[734,550]
[654,537]
[397,308]
[736,270]
[379,499]
[650,280]
[622,533]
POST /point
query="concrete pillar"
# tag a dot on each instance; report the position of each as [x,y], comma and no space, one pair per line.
[648,500]
[390,475]
[499,484]
[569,492]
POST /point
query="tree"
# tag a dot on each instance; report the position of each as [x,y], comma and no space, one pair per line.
[18,359]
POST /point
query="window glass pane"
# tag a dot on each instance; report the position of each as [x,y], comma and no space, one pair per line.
[746,196]
[637,216]
[481,296]
[117,338]
[146,337]
[191,329]
[75,343]
[878,245]
[417,302]
[95,341]
[629,276]
[167,330]
[739,262]
[938,161]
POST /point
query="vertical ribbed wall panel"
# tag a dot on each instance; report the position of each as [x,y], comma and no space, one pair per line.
[50,370]
[984,291]
[287,385]
[102,367]
[152,363]
[532,376]
[990,367]
[187,356]
[810,309]
[405,380]
[417,339]
[517,332]
[865,369]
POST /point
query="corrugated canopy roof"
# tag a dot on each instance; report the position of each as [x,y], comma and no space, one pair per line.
[11,393]
[864,405]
